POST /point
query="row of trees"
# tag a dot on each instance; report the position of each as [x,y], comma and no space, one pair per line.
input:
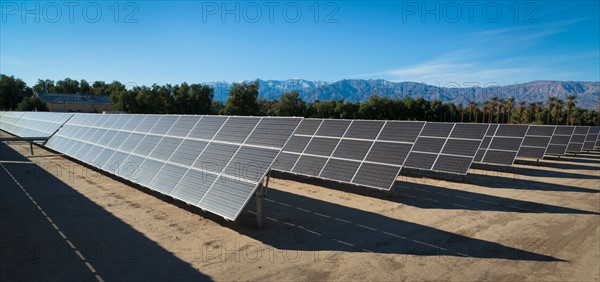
[72,86]
[244,100]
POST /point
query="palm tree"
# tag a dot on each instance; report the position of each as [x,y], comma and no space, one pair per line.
[570,105]
[550,106]
[558,107]
[472,109]
[511,101]
[500,106]
[538,109]
[483,110]
[459,108]
[492,107]
[521,110]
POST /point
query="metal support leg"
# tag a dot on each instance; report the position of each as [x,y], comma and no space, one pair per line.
[259,208]
[31,147]
[267,183]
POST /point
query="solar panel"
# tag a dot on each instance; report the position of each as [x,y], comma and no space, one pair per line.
[361,152]
[487,139]
[9,119]
[578,139]
[33,124]
[536,141]
[213,162]
[501,144]
[591,137]
[447,147]
[560,140]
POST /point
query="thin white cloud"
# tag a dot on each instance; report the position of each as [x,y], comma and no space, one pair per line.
[489,57]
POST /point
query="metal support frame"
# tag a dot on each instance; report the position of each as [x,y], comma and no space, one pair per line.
[259,207]
[261,192]
[29,140]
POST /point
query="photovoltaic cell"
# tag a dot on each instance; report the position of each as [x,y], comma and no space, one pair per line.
[333,128]
[452,164]
[340,169]
[207,127]
[422,161]
[187,152]
[401,131]
[286,161]
[364,129]
[500,157]
[236,129]
[183,126]
[226,195]
[250,163]
[321,146]
[352,149]
[375,175]
[163,125]
[272,132]
[168,177]
[429,145]
[436,129]
[390,153]
[309,165]
[461,147]
[296,144]
[308,127]
[193,186]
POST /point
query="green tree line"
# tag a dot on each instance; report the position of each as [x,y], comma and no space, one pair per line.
[243,99]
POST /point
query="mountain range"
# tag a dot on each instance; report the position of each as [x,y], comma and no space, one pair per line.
[358,90]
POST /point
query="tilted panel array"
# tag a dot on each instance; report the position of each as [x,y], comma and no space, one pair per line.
[446,147]
[536,141]
[590,139]
[578,139]
[212,162]
[360,152]
[560,140]
[8,121]
[34,124]
[501,144]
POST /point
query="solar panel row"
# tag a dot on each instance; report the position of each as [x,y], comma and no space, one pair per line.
[560,140]
[367,153]
[446,147]
[501,144]
[591,137]
[32,124]
[577,139]
[536,141]
[217,162]
[213,162]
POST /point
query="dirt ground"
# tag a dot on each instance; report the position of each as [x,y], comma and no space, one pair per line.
[62,221]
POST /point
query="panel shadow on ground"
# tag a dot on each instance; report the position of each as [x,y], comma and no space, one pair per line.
[115,249]
[296,222]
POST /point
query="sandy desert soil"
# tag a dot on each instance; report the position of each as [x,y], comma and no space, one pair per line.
[62,221]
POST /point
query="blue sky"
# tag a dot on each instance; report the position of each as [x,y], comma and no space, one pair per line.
[435,42]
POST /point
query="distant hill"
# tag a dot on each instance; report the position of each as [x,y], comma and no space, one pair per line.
[357,90]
